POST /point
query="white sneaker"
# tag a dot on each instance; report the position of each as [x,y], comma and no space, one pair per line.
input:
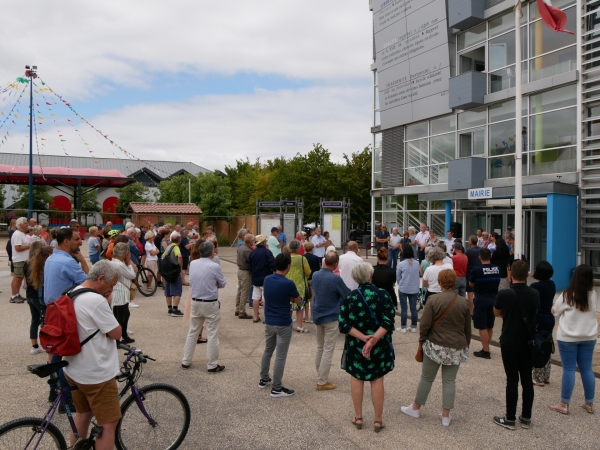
[35,351]
[409,411]
[133,305]
[129,332]
[446,421]
[401,329]
[413,330]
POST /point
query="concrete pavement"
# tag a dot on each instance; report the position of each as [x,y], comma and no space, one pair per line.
[229,411]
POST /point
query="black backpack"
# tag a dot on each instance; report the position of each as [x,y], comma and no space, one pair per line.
[169,269]
[541,348]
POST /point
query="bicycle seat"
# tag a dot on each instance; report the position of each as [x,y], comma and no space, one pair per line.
[45,370]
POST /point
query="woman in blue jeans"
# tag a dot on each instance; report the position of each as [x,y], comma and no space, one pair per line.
[409,283]
[577,334]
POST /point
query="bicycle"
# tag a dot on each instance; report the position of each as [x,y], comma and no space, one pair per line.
[146,277]
[160,421]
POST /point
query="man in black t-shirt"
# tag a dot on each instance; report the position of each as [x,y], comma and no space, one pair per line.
[485,279]
[382,237]
[518,308]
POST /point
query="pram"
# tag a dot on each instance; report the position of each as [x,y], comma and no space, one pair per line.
[421,298]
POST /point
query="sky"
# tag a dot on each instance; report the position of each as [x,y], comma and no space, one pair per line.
[207,82]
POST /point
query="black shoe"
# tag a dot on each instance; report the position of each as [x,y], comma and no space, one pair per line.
[216,369]
[63,410]
[482,354]
[504,422]
[128,340]
[52,396]
[176,313]
[237,313]
[283,392]
[264,383]
[170,310]
[185,366]
[525,423]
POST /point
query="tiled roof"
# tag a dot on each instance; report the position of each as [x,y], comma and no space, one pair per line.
[164,208]
[127,167]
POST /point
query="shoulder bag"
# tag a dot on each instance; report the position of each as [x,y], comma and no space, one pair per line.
[419,355]
[387,335]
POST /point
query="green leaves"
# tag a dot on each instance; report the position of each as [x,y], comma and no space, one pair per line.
[41,198]
[133,193]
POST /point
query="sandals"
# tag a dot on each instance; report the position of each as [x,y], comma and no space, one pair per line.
[356,424]
[539,383]
[561,407]
[301,330]
[381,426]
[589,407]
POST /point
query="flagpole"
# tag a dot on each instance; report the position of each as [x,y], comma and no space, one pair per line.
[518,244]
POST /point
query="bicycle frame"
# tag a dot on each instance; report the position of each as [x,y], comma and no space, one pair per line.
[130,384]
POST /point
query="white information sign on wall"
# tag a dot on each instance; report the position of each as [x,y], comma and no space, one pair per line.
[479,194]
[413,60]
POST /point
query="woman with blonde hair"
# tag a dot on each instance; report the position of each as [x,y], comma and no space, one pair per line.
[34,273]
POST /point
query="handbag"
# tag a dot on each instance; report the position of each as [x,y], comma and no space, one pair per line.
[307,288]
[419,355]
[132,290]
[387,336]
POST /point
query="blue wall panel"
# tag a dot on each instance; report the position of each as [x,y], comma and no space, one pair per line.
[562,237]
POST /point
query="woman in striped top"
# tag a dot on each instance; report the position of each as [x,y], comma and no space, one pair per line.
[121,292]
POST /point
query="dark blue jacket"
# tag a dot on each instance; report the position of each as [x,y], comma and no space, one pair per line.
[261,264]
[329,291]
[134,250]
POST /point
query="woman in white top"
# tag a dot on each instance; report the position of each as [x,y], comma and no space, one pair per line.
[435,257]
[120,296]
[151,256]
[577,333]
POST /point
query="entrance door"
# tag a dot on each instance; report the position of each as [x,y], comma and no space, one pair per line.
[539,237]
[496,223]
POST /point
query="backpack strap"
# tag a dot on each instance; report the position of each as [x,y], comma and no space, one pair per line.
[72,296]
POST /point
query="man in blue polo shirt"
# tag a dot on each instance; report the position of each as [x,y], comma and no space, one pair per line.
[485,279]
[61,272]
[278,293]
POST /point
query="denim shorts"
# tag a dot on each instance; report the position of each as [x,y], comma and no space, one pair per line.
[173,289]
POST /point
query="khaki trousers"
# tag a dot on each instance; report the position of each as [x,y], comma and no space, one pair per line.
[201,313]
[327,335]
[244,285]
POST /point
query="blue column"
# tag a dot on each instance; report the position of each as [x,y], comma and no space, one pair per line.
[448,215]
[561,248]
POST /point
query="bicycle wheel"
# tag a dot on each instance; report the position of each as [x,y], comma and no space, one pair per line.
[24,433]
[146,282]
[167,406]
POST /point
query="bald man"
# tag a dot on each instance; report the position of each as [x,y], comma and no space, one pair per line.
[347,261]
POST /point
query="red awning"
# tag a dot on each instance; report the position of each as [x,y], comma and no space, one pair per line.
[64,176]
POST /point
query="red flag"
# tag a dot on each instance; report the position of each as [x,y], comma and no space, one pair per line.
[555,18]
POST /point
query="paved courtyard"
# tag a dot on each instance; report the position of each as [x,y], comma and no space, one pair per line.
[229,411]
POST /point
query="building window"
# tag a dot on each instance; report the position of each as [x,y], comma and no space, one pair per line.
[377,145]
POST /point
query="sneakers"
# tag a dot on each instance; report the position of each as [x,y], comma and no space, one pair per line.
[264,383]
[413,330]
[525,423]
[185,366]
[176,313]
[446,421]
[133,305]
[283,392]
[401,329]
[409,411]
[216,369]
[504,422]
[170,310]
[35,351]
[482,354]
[128,340]
[326,387]
[63,410]
[17,299]
[52,396]
[244,316]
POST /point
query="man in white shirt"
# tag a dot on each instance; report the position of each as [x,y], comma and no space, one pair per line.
[421,240]
[206,278]
[20,253]
[450,242]
[93,370]
[319,242]
[394,248]
[347,261]
[192,234]
[273,243]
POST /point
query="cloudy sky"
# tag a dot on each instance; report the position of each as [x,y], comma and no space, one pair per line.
[208,82]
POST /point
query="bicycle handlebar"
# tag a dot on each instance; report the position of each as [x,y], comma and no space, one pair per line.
[135,352]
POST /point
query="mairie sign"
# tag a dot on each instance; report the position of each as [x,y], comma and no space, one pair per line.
[478,194]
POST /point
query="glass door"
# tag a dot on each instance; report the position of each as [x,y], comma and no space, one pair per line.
[496,223]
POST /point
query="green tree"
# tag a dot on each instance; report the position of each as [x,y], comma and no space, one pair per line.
[2,195]
[41,198]
[176,190]
[242,180]
[356,184]
[215,195]
[133,193]
[89,201]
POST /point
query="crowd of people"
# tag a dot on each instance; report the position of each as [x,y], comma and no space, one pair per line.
[304,280]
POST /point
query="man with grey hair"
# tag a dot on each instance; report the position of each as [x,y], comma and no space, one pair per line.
[244,277]
[20,253]
[319,242]
[93,370]
[240,236]
[347,261]
[206,278]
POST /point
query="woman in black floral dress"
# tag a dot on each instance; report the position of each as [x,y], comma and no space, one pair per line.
[367,319]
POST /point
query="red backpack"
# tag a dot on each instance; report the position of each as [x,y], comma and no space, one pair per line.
[59,334]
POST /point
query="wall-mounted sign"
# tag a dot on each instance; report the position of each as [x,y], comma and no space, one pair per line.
[269,204]
[289,203]
[289,216]
[479,194]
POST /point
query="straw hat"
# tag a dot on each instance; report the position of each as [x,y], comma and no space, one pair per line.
[259,239]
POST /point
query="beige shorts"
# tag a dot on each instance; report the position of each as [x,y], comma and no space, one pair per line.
[19,269]
[101,399]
